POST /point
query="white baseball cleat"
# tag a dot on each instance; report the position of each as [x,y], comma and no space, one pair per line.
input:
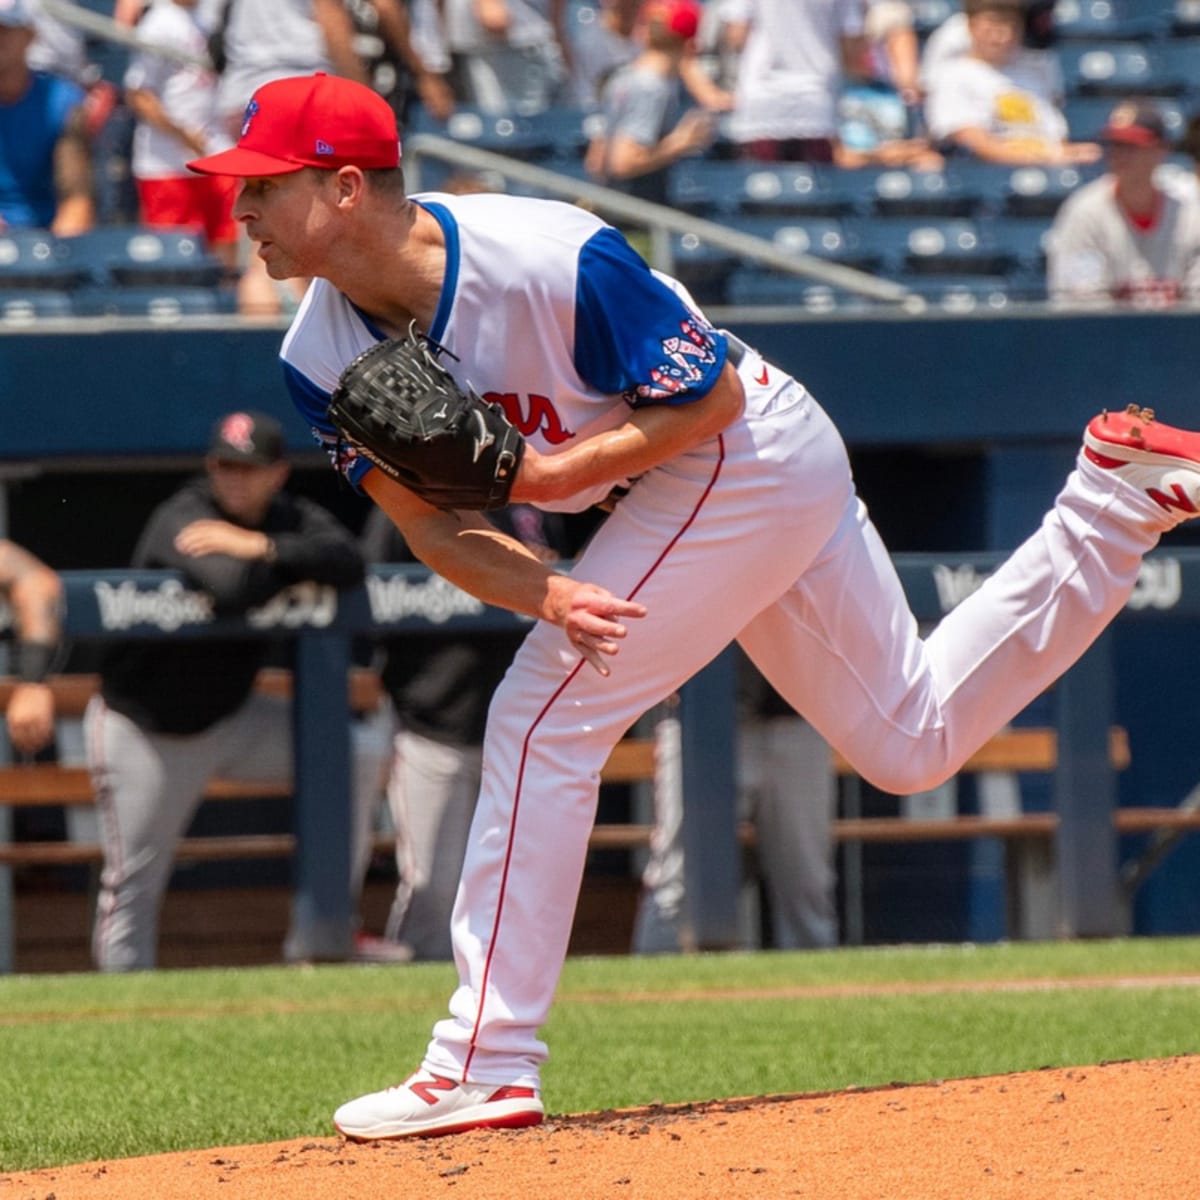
[1160,460]
[428,1105]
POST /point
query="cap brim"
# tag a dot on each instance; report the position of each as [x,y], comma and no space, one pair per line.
[1130,135]
[243,163]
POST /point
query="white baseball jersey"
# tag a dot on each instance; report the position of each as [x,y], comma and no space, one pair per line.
[1095,251]
[560,357]
[755,534]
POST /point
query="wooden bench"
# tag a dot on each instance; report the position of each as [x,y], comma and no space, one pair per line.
[632,761]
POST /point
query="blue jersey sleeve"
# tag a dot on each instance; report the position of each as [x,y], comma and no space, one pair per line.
[633,335]
[312,403]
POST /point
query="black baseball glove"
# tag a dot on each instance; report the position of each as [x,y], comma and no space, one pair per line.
[398,406]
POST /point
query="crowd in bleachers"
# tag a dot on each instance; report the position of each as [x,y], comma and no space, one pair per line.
[933,142]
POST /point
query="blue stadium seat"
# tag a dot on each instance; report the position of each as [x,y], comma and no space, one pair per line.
[789,189]
[702,268]
[566,128]
[1108,20]
[129,256]
[1024,238]
[709,187]
[751,287]
[1087,115]
[1124,69]
[1038,191]
[705,187]
[931,246]
[514,136]
[958,294]
[35,258]
[901,192]
[25,306]
[1185,18]
[163,305]
[821,237]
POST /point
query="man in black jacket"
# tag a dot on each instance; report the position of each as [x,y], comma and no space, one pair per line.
[173,713]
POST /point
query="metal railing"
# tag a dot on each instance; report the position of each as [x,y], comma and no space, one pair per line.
[659,219]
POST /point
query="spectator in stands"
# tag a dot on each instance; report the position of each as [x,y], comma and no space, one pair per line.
[504,56]
[440,686]
[264,40]
[879,114]
[1123,238]
[45,160]
[648,124]
[610,39]
[384,37]
[34,594]
[988,102]
[58,48]
[174,98]
[787,789]
[792,54]
[172,714]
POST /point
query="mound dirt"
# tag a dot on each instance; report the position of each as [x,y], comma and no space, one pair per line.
[1111,1132]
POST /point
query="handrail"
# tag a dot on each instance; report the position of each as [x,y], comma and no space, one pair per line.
[112,31]
[659,218]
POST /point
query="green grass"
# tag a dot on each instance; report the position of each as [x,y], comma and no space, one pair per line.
[105,1066]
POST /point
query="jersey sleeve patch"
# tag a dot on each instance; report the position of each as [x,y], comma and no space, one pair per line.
[634,336]
[312,403]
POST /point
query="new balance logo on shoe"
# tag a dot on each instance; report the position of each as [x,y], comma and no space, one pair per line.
[429,1105]
[1160,460]
[427,1089]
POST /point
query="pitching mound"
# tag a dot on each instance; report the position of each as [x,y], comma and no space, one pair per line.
[1117,1130]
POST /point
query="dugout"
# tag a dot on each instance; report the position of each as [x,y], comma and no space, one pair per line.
[960,426]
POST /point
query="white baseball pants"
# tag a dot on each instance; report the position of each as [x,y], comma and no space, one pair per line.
[756,536]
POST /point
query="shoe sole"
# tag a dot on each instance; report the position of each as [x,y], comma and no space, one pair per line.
[512,1118]
[1143,440]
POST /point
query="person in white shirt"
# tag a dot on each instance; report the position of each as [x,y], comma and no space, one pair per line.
[993,101]
[1123,238]
[175,103]
[792,57]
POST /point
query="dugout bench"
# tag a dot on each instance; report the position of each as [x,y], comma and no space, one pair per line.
[1077,880]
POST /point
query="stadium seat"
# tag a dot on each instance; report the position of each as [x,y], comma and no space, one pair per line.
[791,189]
[1038,191]
[130,256]
[161,305]
[958,294]
[701,267]
[35,258]
[1087,115]
[1124,69]
[566,128]
[750,287]
[25,306]
[948,246]
[1185,18]
[705,187]
[821,237]
[901,192]
[1108,20]
[1024,239]
[514,136]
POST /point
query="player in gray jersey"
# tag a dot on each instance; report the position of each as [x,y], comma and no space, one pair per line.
[1123,237]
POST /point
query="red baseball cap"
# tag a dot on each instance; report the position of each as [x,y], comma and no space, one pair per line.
[680,17]
[1135,123]
[309,121]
